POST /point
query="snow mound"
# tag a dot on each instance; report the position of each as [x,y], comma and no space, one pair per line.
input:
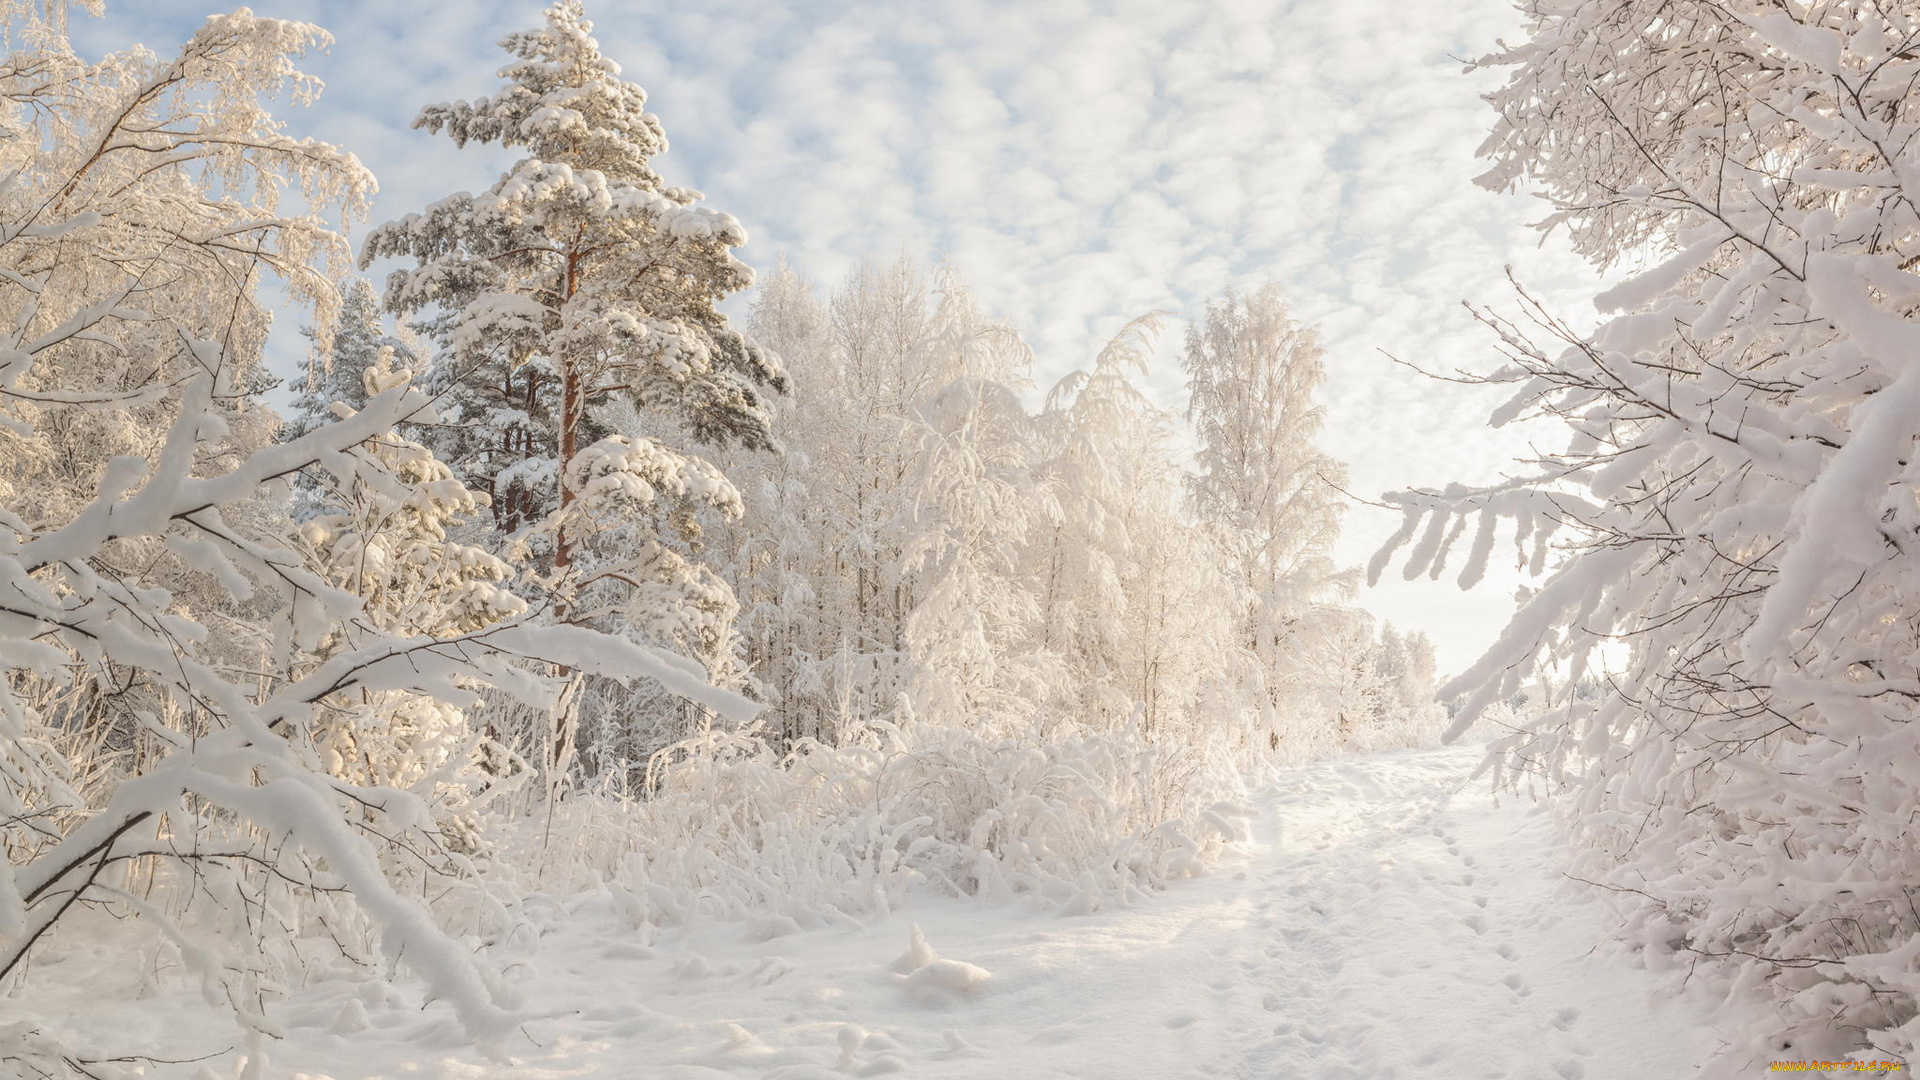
[352,1018]
[918,955]
[924,971]
[952,976]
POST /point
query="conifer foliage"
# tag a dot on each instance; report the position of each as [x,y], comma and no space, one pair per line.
[574,306]
[338,373]
[578,280]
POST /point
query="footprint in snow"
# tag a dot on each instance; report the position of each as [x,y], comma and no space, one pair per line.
[1476,923]
[1508,952]
[1518,985]
[1566,1018]
[1480,901]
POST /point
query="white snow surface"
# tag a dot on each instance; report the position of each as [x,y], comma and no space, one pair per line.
[1388,919]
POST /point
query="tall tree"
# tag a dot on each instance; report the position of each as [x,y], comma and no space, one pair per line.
[579,273]
[1129,592]
[575,304]
[1261,483]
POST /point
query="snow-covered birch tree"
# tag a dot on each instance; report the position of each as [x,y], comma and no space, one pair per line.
[893,527]
[1132,603]
[1272,497]
[1736,500]
[968,506]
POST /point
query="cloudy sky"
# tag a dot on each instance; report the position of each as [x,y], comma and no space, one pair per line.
[1080,163]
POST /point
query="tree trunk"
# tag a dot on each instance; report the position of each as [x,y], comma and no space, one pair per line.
[570,409]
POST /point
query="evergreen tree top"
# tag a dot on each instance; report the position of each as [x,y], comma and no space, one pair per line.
[565,103]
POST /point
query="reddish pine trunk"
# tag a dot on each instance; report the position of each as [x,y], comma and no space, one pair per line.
[570,410]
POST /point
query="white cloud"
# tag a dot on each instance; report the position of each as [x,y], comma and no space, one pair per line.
[1080,162]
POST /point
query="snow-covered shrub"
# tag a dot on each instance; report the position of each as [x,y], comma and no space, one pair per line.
[729,828]
[1736,503]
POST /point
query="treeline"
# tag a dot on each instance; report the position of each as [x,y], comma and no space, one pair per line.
[912,543]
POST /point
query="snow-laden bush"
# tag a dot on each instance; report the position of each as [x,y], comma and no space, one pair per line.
[729,828]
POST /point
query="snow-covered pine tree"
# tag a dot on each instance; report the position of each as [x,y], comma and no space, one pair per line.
[1271,496]
[1736,496]
[336,374]
[575,295]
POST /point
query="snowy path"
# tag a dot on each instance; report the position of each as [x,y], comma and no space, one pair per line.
[1383,925]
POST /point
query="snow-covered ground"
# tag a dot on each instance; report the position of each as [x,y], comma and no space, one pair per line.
[1389,919]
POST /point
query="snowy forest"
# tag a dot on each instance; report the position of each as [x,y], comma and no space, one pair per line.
[601,656]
